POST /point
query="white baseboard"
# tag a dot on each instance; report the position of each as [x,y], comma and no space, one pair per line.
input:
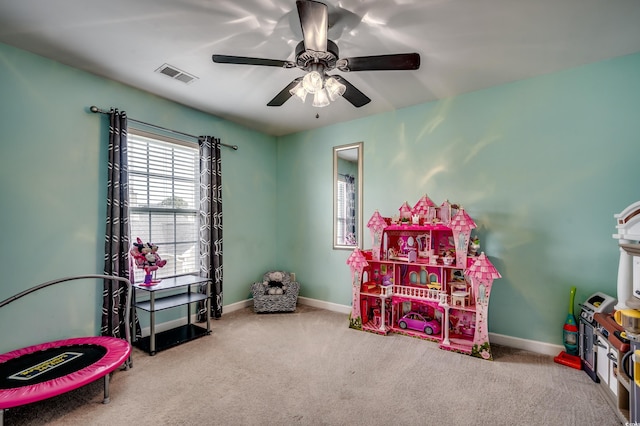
[527,345]
[334,307]
[168,325]
[498,339]
[237,306]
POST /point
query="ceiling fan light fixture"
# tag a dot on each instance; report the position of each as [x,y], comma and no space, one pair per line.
[321,98]
[299,91]
[312,82]
[334,88]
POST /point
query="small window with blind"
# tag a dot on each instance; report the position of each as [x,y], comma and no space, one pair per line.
[341,211]
[164,200]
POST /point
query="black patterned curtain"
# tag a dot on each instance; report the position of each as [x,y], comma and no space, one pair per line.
[211,221]
[116,255]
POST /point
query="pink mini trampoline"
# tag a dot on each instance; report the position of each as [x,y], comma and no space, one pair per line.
[50,369]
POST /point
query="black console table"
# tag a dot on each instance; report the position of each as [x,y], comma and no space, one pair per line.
[181,294]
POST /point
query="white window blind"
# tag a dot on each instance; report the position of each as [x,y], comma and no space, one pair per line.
[164,199]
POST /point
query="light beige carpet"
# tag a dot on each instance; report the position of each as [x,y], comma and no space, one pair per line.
[309,368]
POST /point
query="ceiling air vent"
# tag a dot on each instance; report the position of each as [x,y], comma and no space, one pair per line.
[176,74]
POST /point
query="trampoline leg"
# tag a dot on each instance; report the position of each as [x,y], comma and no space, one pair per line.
[1,416]
[106,399]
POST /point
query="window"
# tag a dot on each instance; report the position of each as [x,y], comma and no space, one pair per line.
[164,199]
[345,211]
[342,211]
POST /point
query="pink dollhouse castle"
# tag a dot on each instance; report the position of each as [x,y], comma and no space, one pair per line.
[420,278]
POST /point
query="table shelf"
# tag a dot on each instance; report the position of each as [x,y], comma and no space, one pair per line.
[170,338]
[173,301]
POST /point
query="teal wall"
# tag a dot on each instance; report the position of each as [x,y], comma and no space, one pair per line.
[53,189]
[542,165]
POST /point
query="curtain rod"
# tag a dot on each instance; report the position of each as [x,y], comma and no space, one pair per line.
[95,109]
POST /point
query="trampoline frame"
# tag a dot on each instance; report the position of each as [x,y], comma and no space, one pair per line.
[118,353]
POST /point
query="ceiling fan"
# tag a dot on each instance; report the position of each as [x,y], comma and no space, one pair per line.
[317,55]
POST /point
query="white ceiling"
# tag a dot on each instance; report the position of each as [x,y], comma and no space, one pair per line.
[465,45]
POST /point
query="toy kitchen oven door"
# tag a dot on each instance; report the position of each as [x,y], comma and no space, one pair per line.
[596,303]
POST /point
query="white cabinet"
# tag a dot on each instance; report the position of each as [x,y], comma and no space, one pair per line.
[607,362]
[613,370]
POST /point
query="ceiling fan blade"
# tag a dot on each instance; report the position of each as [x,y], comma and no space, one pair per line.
[284,95]
[314,20]
[353,95]
[224,59]
[400,61]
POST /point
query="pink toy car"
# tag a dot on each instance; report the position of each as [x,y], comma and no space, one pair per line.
[415,321]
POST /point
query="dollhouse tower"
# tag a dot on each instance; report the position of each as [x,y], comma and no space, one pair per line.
[425,209]
[405,211]
[445,212]
[376,225]
[357,262]
[481,274]
[461,225]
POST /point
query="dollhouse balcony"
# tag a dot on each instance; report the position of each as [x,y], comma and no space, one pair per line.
[386,291]
[426,294]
